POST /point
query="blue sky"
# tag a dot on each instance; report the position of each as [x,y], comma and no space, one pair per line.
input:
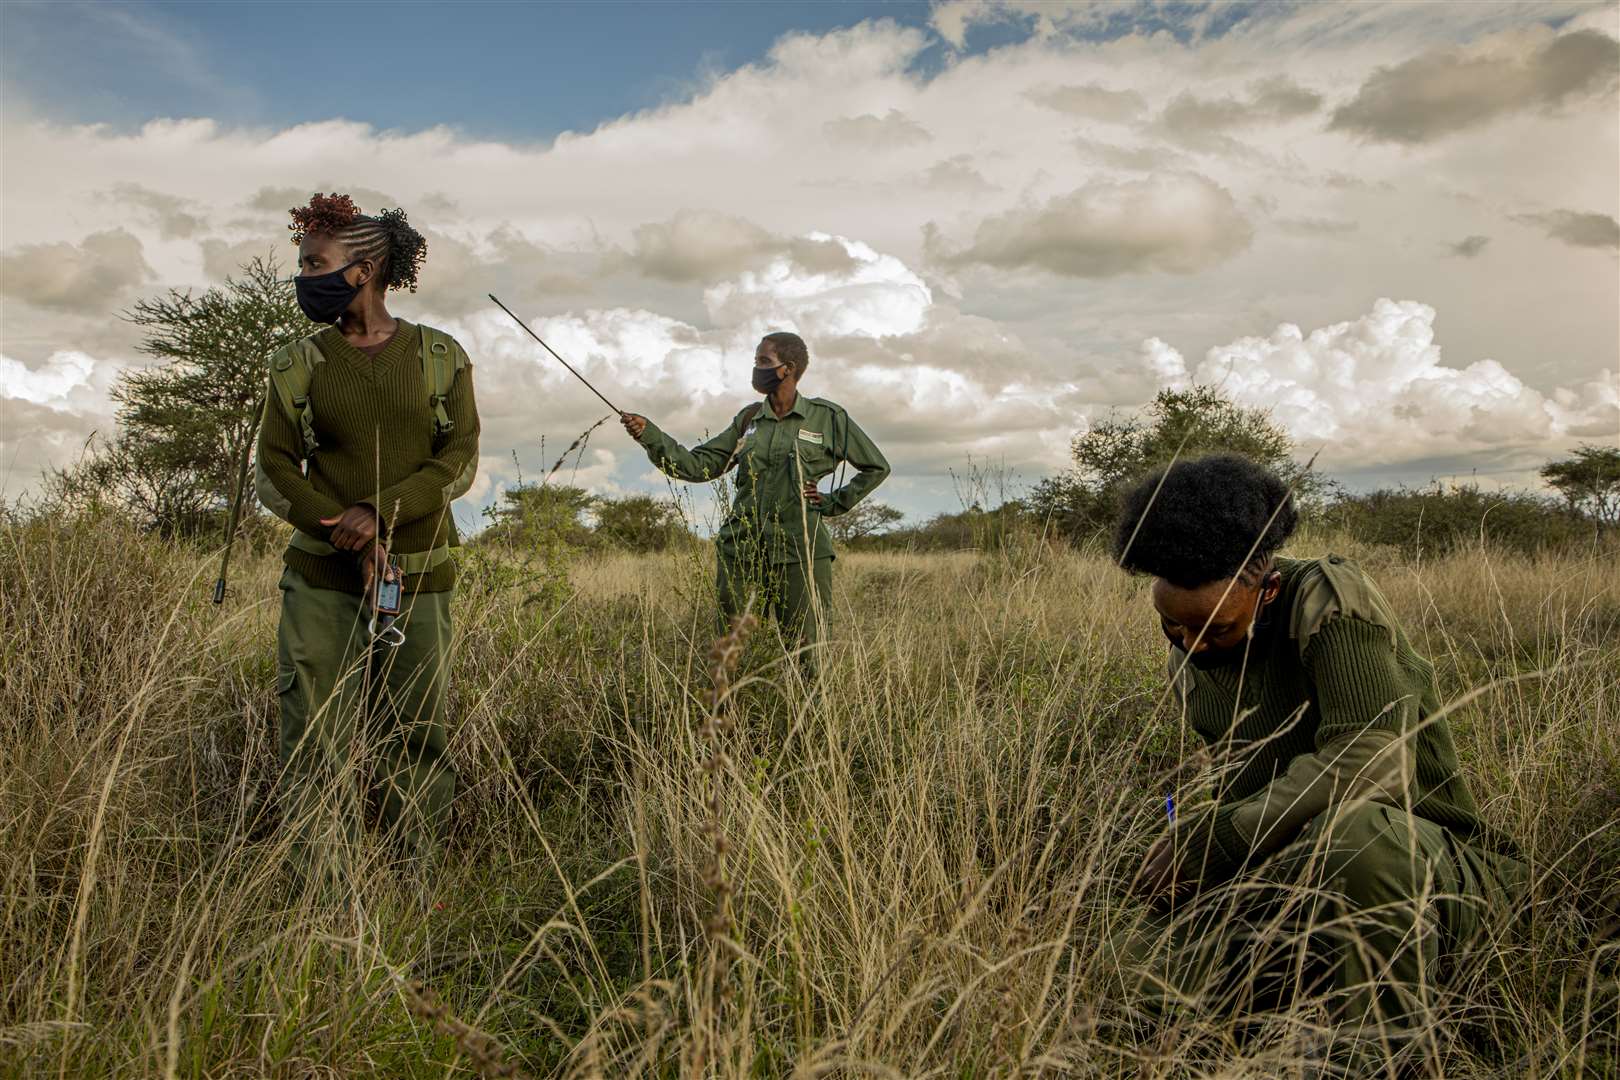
[502,70]
[497,69]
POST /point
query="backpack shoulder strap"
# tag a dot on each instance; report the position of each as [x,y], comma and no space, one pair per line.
[741,422]
[292,369]
[442,360]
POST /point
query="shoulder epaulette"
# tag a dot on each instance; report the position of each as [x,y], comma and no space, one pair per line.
[1334,587]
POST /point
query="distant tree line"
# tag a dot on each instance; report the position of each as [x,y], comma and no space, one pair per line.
[1080,504]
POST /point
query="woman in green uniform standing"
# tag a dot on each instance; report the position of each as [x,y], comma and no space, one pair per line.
[774,544]
[370,432]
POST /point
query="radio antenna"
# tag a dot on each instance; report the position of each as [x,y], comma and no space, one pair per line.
[553,352]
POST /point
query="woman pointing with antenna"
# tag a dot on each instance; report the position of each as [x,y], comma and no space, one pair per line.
[773,550]
[774,547]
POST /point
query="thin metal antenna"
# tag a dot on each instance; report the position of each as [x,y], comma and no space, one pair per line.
[553,352]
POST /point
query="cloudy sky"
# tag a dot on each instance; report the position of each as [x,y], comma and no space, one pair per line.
[1395,227]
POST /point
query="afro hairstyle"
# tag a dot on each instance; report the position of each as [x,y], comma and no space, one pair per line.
[1204,520]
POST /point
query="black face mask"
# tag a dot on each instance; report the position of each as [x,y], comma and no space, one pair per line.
[325,297]
[766,380]
[1218,658]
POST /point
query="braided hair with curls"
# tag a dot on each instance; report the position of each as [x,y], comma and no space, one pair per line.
[1204,520]
[386,238]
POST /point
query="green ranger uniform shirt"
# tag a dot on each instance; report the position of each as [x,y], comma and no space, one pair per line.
[375,423]
[1332,704]
[770,519]
[1341,802]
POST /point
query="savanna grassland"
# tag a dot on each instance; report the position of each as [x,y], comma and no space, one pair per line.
[915,869]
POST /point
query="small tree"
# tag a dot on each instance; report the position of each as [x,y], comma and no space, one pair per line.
[867,520]
[542,517]
[639,523]
[1177,425]
[141,474]
[188,424]
[1589,482]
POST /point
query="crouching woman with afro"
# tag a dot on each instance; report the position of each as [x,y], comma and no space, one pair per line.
[369,433]
[1341,852]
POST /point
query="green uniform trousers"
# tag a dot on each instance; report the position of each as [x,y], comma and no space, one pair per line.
[796,595]
[350,706]
[1387,898]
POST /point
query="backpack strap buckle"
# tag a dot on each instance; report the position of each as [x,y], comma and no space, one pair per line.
[442,424]
[439,372]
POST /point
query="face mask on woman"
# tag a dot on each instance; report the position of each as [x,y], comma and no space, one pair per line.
[767,380]
[325,297]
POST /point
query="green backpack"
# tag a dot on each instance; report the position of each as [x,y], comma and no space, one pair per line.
[292,369]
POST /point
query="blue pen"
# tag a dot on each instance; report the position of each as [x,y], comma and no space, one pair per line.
[1170,807]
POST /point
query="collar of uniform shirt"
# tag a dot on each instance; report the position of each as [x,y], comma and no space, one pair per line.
[768,413]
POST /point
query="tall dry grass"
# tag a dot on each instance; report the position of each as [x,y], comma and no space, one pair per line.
[921,859]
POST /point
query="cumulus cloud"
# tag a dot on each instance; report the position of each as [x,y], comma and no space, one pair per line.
[1375,390]
[464,266]
[1315,226]
[49,411]
[82,277]
[1092,101]
[1453,89]
[1084,184]
[1469,247]
[1576,229]
[700,245]
[223,258]
[278,200]
[873,295]
[1179,223]
[52,384]
[173,217]
[1130,158]
[703,245]
[893,129]
[956,175]
[1204,122]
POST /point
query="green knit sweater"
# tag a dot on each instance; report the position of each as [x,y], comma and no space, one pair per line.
[374,426]
[1328,660]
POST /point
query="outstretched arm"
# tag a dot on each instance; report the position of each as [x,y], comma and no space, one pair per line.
[704,462]
[871,468]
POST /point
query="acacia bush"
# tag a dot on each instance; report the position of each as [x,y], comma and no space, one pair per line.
[555,520]
[640,524]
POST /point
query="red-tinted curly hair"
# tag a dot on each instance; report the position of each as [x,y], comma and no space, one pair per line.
[387,239]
